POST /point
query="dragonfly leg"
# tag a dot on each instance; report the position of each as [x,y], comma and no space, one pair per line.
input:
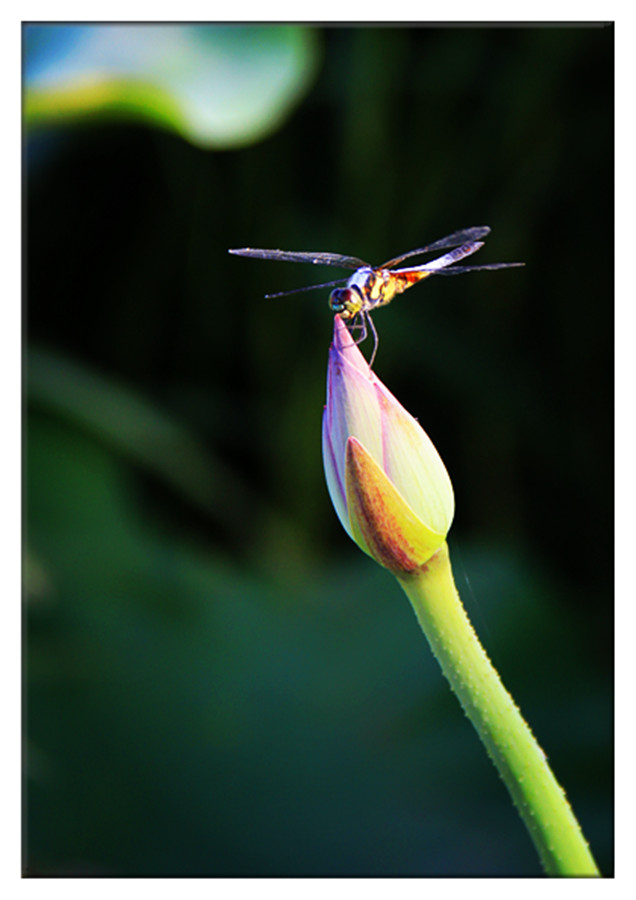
[376,339]
[363,323]
[358,325]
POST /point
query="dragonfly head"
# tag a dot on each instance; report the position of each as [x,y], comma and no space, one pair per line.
[347,302]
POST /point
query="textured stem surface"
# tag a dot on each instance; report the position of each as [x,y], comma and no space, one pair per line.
[511,745]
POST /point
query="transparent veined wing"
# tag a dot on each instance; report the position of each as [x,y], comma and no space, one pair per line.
[458,270]
[466,235]
[301,290]
[443,261]
[443,265]
[316,259]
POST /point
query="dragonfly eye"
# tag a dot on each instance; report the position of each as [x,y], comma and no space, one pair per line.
[346,302]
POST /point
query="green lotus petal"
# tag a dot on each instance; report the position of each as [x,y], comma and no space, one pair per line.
[220,86]
[382,522]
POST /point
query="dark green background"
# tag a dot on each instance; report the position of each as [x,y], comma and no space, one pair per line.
[217,681]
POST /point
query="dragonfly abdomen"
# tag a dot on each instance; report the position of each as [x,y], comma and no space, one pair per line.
[383,285]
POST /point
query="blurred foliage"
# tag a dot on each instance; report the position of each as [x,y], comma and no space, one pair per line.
[219,86]
[217,681]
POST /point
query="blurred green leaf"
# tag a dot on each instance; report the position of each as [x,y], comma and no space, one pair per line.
[129,424]
[220,86]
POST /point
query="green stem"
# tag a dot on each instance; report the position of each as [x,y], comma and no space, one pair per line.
[511,745]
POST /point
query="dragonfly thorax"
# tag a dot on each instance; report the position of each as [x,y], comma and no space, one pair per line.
[347,302]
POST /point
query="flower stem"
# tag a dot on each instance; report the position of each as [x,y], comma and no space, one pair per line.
[511,745]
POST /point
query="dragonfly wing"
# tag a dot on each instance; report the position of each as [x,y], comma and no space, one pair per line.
[466,235]
[317,259]
[458,270]
[442,261]
[301,290]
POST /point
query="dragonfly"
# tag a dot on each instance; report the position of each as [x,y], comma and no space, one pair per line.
[371,287]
